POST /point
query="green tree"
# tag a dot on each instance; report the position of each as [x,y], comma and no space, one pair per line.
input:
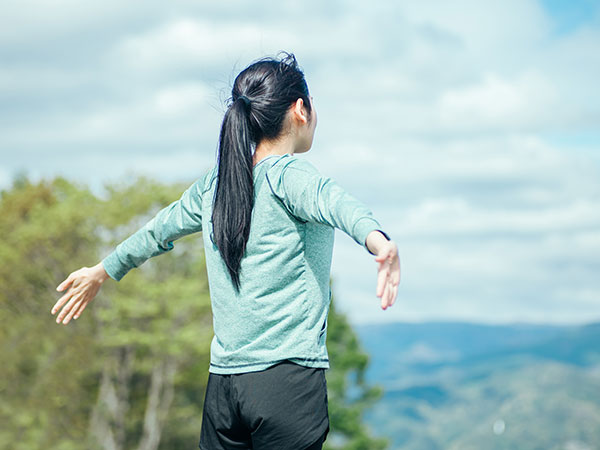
[109,378]
[131,373]
[348,363]
[46,379]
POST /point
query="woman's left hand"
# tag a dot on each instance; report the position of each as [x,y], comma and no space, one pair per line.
[388,276]
[83,286]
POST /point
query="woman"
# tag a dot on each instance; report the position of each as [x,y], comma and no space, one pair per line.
[268,220]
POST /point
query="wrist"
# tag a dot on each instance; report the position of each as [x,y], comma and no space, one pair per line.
[376,239]
[102,274]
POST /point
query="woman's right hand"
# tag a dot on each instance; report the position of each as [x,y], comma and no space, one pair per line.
[388,276]
[83,286]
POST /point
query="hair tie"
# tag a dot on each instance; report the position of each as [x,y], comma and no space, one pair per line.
[245,99]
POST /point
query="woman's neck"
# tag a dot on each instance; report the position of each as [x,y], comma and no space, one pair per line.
[264,149]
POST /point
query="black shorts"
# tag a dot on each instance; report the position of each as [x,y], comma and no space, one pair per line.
[282,407]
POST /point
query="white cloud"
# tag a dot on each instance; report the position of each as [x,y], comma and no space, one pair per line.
[37,22]
[544,278]
[174,114]
[501,105]
[185,42]
[523,163]
[435,114]
[187,98]
[501,32]
[449,216]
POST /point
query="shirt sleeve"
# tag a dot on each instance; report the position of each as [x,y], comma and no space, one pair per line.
[180,218]
[312,197]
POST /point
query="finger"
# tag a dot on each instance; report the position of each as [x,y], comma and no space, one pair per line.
[384,297]
[395,272]
[383,255]
[68,307]
[392,296]
[381,278]
[80,309]
[390,291]
[395,295]
[395,277]
[67,282]
[74,308]
[381,259]
[384,303]
[61,301]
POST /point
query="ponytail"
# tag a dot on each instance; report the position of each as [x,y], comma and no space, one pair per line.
[261,96]
[234,198]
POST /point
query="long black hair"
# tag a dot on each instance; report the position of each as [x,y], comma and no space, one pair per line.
[262,94]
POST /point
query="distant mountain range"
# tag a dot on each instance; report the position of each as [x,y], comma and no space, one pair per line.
[451,385]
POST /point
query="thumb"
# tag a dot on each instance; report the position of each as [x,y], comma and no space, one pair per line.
[63,285]
[382,256]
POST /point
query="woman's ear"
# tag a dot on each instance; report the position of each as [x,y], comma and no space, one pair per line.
[299,111]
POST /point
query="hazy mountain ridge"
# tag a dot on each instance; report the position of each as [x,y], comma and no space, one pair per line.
[452,385]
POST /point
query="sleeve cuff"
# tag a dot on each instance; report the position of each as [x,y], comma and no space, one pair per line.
[363,228]
[385,235]
[113,266]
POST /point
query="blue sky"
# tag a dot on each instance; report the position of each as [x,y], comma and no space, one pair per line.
[471,129]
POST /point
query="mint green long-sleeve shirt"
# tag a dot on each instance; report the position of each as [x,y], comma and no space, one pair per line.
[282,307]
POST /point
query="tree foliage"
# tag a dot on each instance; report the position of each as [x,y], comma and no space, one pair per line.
[131,372]
[347,391]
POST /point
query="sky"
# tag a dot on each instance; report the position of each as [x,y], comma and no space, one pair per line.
[470,128]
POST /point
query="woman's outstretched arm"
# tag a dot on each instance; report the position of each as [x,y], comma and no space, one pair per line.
[180,218]
[313,197]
